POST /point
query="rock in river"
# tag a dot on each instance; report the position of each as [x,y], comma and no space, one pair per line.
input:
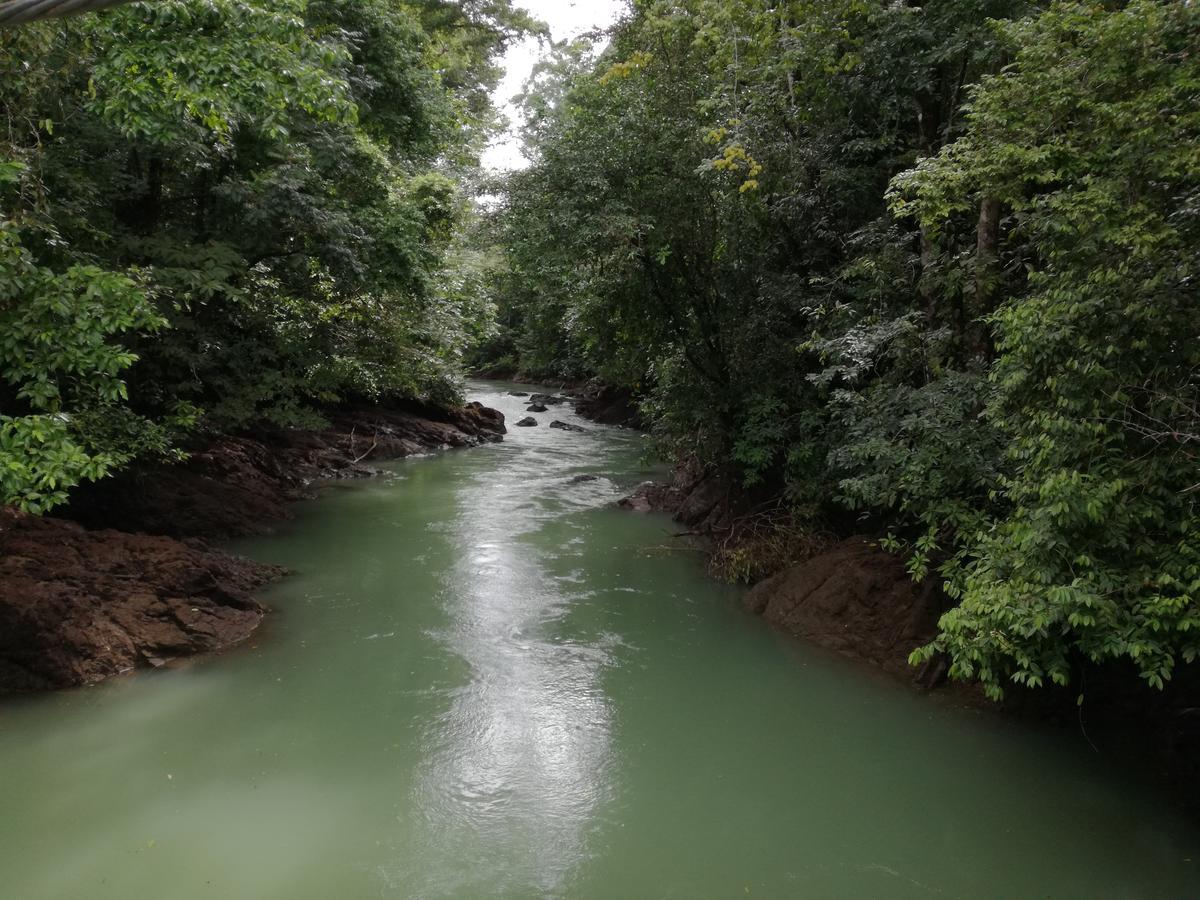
[527,422]
[566,426]
[535,407]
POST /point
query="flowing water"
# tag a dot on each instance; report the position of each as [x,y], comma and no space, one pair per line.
[484,681]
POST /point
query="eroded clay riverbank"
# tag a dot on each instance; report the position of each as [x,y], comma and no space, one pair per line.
[852,597]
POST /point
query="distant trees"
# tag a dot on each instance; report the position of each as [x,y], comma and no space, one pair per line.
[931,262]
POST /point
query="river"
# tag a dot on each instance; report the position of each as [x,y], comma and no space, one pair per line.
[485,681]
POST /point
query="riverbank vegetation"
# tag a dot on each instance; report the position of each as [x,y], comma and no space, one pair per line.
[932,266]
[925,271]
[222,213]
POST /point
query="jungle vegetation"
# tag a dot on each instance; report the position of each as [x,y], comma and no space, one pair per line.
[216,213]
[933,264]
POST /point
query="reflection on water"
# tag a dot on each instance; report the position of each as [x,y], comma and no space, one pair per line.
[516,767]
[486,682]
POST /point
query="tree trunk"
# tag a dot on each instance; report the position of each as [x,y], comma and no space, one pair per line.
[927,292]
[987,253]
[142,209]
[987,270]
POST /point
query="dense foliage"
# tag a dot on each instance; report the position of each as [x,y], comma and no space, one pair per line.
[931,263]
[220,212]
[928,266]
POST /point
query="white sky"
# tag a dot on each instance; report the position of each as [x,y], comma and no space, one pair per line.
[567,19]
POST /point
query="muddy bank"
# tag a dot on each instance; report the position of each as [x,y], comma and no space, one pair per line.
[856,599]
[849,596]
[852,596]
[79,606]
[234,485]
[859,601]
[124,578]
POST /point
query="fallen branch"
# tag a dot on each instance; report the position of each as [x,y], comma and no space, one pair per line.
[369,451]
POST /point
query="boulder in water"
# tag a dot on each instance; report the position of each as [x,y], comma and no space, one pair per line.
[650,496]
[610,406]
[565,426]
[536,407]
[527,422]
[518,393]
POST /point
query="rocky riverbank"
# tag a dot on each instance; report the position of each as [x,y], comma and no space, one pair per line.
[125,577]
[849,595]
[609,405]
[854,598]
[593,399]
[235,485]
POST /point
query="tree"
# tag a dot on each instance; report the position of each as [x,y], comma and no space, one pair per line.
[1090,140]
[260,202]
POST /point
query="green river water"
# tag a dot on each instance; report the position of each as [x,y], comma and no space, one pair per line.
[484,681]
